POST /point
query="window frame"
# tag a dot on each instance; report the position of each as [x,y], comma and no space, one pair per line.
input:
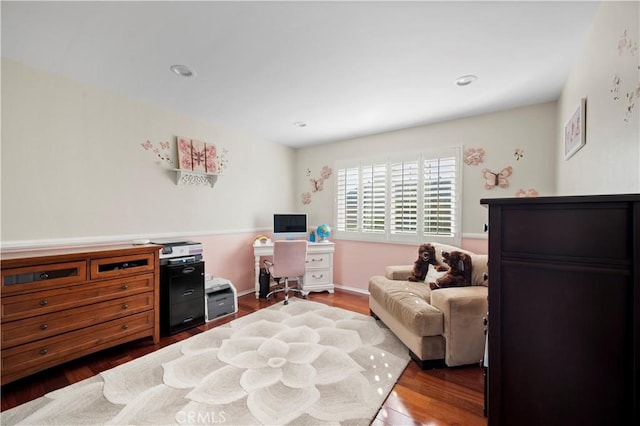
[388,236]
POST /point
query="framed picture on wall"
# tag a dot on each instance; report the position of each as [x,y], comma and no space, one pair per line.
[575,130]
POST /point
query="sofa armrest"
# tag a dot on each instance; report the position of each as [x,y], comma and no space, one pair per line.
[398,273]
[464,309]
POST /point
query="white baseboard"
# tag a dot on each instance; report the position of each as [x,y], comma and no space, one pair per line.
[352,289]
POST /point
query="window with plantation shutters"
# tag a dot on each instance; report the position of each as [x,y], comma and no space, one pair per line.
[410,198]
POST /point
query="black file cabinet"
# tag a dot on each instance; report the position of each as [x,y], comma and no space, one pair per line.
[181,297]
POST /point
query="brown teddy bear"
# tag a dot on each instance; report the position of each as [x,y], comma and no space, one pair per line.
[459,274]
[426,257]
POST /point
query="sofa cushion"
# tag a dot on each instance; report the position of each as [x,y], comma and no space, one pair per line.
[409,303]
[433,275]
[399,273]
[478,268]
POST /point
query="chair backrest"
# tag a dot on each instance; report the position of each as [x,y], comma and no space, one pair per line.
[289,258]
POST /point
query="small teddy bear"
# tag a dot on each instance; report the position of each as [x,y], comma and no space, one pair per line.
[426,257]
[459,274]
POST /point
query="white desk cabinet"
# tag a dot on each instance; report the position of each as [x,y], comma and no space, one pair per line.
[319,271]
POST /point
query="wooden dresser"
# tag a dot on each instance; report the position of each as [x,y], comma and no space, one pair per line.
[564,310]
[62,304]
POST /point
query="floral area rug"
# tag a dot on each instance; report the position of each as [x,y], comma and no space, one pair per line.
[305,363]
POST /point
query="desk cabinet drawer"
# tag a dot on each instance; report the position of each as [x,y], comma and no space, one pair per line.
[320,276]
[32,278]
[22,360]
[44,326]
[45,302]
[318,261]
[112,267]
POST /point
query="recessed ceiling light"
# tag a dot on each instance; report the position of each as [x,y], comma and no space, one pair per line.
[465,80]
[300,124]
[182,70]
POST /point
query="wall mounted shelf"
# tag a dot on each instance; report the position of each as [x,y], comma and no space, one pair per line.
[188,177]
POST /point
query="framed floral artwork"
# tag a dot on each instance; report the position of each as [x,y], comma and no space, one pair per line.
[184,153]
[575,130]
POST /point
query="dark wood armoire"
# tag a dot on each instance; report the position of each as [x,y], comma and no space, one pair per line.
[564,310]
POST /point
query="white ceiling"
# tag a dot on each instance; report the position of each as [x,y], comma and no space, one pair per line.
[347,69]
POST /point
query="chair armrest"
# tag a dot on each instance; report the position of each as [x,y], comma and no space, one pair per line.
[464,309]
[398,273]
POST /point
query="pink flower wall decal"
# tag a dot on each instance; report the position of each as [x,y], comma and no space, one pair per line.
[473,156]
[530,193]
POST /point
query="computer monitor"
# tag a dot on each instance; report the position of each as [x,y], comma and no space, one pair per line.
[289,226]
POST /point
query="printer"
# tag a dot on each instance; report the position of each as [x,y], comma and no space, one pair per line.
[220,297]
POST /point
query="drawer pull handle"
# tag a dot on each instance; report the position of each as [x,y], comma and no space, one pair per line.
[188,270]
[44,303]
[124,327]
[317,277]
[125,306]
[187,319]
[43,351]
[188,292]
[124,286]
[43,327]
[44,276]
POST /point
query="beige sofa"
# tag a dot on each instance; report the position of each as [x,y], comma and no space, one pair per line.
[443,325]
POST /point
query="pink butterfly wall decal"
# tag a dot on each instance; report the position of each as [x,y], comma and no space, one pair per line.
[497,179]
[316,184]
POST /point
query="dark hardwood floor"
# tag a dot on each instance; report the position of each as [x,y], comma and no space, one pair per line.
[445,396]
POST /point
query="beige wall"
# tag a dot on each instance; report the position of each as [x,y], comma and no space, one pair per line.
[531,129]
[610,161]
[73,168]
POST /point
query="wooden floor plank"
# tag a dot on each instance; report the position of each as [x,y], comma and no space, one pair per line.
[436,397]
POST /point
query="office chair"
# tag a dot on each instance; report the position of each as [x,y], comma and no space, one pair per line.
[289,261]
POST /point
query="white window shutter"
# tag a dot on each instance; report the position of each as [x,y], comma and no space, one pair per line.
[440,205]
[374,198]
[404,198]
[347,193]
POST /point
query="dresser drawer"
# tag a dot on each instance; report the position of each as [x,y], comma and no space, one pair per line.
[111,267]
[26,359]
[45,302]
[318,261]
[320,276]
[586,232]
[45,326]
[38,277]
